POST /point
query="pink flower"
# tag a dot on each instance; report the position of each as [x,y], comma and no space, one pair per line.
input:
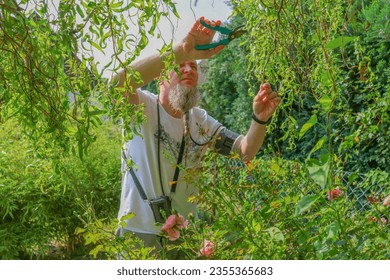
[208,248]
[181,222]
[172,233]
[173,225]
[386,201]
[170,222]
[334,194]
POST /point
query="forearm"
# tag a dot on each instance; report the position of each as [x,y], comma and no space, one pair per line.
[146,70]
[264,105]
[252,141]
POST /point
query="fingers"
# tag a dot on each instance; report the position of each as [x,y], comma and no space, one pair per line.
[199,27]
[265,86]
[216,50]
[266,94]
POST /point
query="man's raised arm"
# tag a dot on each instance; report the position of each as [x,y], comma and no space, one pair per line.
[152,66]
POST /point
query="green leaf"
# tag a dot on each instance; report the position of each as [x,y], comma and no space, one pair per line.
[309,124]
[325,78]
[332,230]
[95,45]
[80,11]
[80,148]
[294,121]
[96,250]
[338,42]
[116,5]
[276,234]
[305,203]
[318,170]
[173,6]
[276,168]
[126,217]
[325,102]
[318,145]
[79,230]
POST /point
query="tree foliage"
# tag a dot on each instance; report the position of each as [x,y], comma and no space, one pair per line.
[329,62]
[52,80]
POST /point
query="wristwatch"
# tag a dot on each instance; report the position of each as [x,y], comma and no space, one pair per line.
[259,121]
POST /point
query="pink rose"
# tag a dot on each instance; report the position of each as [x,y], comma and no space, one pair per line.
[172,233]
[386,201]
[170,222]
[173,225]
[208,248]
[334,194]
[181,222]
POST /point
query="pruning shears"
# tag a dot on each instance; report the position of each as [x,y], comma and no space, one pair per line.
[231,35]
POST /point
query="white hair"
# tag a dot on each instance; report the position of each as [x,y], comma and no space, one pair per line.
[183,98]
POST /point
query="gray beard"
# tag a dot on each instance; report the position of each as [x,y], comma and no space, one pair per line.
[182,98]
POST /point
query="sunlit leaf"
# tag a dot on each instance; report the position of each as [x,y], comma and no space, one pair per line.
[309,124]
[318,145]
[276,234]
[319,169]
[332,230]
[126,217]
[305,203]
[95,45]
[325,102]
[339,42]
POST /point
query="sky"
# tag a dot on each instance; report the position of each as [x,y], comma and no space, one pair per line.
[210,9]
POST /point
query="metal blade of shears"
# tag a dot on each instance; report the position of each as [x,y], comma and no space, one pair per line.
[232,34]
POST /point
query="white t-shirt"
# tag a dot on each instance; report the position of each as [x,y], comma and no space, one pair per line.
[143,152]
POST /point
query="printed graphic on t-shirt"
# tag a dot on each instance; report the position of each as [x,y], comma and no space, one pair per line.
[170,147]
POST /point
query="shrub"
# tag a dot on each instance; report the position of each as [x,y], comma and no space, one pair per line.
[45,196]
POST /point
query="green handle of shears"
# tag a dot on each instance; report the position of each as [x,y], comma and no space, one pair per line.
[221,29]
[212,45]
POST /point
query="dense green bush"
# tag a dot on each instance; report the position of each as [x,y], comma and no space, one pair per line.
[270,209]
[275,209]
[45,196]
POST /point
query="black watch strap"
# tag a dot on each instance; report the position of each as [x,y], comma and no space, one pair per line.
[259,121]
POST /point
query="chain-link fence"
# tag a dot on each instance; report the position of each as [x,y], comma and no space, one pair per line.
[363,189]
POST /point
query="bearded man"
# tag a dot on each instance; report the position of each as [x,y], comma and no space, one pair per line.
[175,129]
